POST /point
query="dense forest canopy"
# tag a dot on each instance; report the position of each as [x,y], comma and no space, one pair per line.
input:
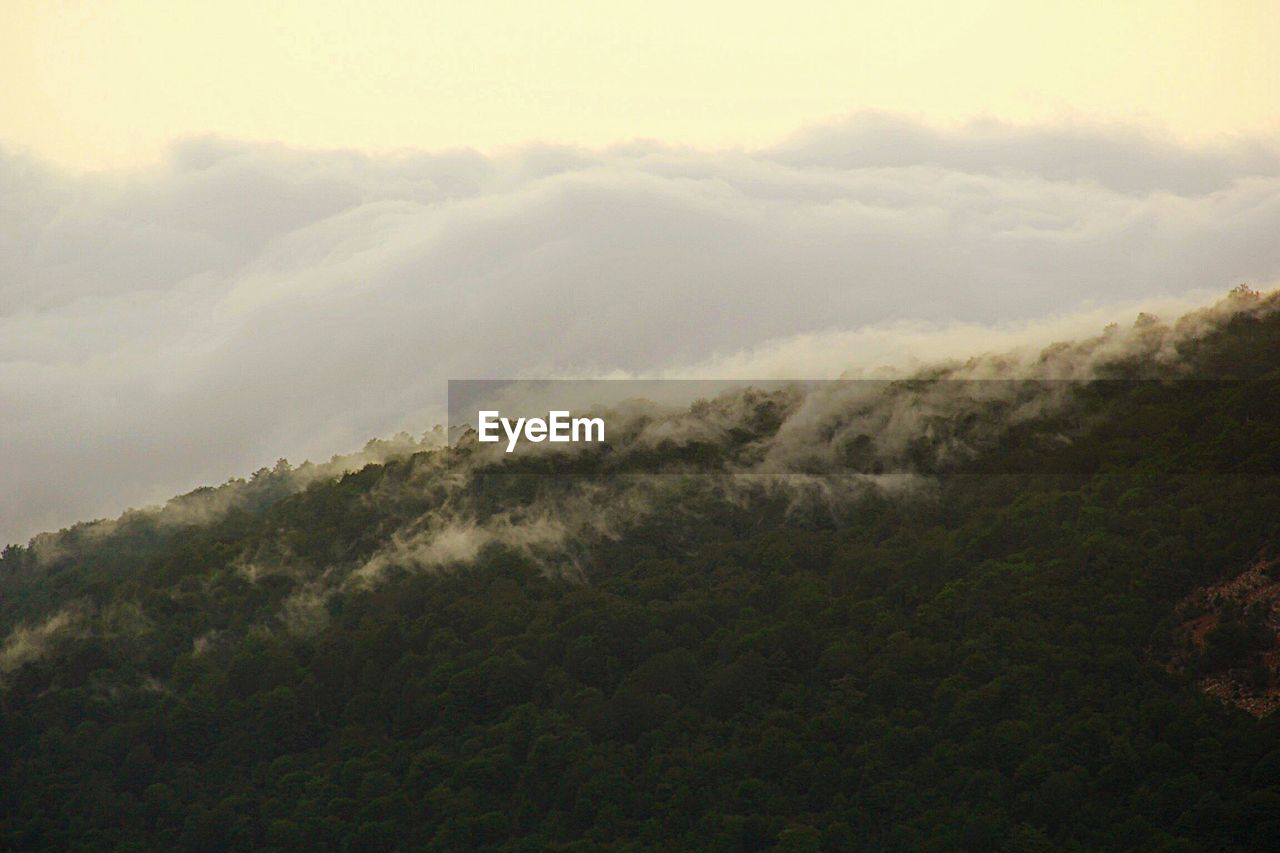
[989,606]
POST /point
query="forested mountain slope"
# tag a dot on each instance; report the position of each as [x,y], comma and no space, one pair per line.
[938,613]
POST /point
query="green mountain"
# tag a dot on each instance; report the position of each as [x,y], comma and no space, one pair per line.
[1019,603]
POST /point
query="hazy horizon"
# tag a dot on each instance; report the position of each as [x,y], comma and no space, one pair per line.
[158,332]
[228,237]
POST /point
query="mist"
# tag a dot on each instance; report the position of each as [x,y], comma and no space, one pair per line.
[241,302]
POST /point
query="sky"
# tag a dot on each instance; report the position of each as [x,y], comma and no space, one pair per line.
[108,84]
[234,232]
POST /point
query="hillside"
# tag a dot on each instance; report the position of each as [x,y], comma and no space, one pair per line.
[952,611]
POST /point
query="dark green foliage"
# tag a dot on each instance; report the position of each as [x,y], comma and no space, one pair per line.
[972,669]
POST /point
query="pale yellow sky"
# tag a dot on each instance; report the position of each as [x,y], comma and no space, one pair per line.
[108,84]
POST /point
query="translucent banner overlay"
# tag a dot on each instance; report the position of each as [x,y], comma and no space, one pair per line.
[866,426]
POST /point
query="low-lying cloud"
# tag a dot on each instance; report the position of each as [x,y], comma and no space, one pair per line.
[165,329]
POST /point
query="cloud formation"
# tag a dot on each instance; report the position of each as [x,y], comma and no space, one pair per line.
[166,329]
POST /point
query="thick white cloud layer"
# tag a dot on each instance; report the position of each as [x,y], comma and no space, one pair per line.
[171,328]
